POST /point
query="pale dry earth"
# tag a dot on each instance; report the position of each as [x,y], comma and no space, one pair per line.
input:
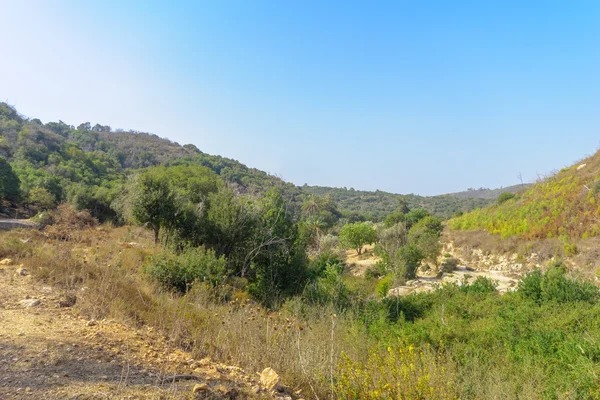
[48,351]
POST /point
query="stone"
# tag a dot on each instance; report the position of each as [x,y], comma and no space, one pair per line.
[92,323]
[269,379]
[22,271]
[27,303]
[6,261]
[200,387]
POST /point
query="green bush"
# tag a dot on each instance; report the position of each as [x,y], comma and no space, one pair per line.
[555,286]
[384,286]
[318,265]
[505,197]
[180,271]
[480,285]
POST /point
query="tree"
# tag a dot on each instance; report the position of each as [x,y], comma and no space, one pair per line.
[355,236]
[153,202]
[9,182]
[41,198]
[425,235]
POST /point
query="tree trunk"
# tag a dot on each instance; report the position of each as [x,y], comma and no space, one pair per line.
[359,250]
[156,229]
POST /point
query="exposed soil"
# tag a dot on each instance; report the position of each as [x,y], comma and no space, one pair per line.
[47,351]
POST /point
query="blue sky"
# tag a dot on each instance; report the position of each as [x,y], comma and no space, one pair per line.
[422,97]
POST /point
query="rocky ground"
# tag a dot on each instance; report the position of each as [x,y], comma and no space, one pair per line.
[48,351]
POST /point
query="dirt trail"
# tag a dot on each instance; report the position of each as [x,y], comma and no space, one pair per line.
[48,352]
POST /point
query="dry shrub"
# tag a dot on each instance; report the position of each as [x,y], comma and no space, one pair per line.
[66,223]
[468,241]
[244,334]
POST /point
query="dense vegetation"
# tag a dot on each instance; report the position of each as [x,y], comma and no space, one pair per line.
[468,341]
[564,206]
[242,266]
[375,206]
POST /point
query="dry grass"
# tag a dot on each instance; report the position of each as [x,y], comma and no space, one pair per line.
[494,244]
[101,266]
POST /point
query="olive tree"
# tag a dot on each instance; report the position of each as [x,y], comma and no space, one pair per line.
[357,235]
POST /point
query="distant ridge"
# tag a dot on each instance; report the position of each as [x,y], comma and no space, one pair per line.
[490,194]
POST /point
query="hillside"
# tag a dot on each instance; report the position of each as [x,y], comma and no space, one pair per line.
[86,165]
[563,205]
[489,194]
[378,204]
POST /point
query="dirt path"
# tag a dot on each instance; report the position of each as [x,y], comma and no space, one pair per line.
[7,224]
[48,352]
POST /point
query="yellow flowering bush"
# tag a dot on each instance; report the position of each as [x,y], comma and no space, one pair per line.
[402,372]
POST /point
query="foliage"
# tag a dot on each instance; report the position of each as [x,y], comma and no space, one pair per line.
[41,198]
[383,286]
[406,261]
[553,285]
[153,203]
[562,205]
[378,205]
[505,197]
[402,372]
[180,271]
[9,182]
[357,235]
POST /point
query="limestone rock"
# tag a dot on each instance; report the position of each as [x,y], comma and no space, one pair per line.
[269,379]
[200,387]
[6,261]
[27,303]
[22,271]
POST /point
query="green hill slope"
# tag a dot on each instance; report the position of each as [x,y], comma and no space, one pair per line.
[85,164]
[376,205]
[563,205]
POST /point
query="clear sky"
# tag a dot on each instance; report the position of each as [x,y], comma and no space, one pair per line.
[422,97]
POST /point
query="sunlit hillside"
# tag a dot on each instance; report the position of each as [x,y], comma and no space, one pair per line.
[563,205]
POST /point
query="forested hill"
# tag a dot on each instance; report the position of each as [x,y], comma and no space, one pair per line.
[564,205]
[490,194]
[376,205]
[84,165]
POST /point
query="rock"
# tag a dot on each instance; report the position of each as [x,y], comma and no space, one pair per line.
[269,379]
[92,323]
[6,261]
[22,271]
[27,303]
[200,387]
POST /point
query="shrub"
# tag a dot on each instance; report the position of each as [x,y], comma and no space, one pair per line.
[384,286]
[555,286]
[403,372]
[505,197]
[407,260]
[180,271]
[66,223]
[480,285]
[318,265]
